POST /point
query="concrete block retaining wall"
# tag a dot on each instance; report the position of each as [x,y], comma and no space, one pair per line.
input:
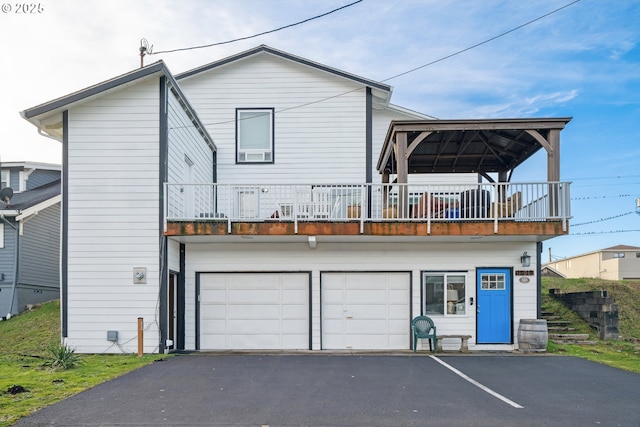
[596,307]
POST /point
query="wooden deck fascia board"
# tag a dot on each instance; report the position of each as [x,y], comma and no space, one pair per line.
[277,228]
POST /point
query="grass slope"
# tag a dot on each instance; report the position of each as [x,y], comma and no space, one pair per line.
[623,353]
[25,339]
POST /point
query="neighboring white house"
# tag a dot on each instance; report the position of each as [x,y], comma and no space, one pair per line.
[621,262]
[323,218]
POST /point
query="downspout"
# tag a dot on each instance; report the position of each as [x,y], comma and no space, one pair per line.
[539,280]
[15,264]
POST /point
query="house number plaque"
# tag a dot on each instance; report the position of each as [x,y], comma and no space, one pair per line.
[524,273]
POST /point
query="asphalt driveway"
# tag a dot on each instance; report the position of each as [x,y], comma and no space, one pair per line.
[352,390]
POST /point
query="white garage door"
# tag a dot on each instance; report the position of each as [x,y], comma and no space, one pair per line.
[254,311]
[365,311]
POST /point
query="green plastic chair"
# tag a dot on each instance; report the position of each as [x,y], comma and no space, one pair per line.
[423,327]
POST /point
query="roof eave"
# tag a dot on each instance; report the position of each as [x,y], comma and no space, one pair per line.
[267,49]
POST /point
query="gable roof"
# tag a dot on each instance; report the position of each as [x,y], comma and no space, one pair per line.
[31,201]
[47,117]
[384,90]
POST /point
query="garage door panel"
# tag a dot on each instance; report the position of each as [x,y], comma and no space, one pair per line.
[294,328]
[365,310]
[368,327]
[213,311]
[397,296]
[399,326]
[365,297]
[295,311]
[212,294]
[397,312]
[294,296]
[263,327]
[254,311]
[249,296]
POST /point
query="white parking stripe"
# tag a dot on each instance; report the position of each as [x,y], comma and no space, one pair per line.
[477,384]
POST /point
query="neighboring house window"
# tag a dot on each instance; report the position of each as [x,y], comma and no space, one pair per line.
[254,135]
[637,254]
[444,293]
[4,179]
[618,254]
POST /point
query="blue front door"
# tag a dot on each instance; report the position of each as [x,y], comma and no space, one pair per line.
[493,308]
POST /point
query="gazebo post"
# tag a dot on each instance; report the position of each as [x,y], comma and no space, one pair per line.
[402,177]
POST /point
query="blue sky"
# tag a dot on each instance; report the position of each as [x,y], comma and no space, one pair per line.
[583,61]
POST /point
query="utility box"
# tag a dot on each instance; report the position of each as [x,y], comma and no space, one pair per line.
[112,336]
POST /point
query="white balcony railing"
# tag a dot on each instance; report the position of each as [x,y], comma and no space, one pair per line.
[368,202]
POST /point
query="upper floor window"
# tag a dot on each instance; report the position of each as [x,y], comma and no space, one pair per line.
[618,254]
[254,135]
[4,179]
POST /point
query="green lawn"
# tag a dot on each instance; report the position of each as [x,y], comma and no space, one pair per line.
[24,350]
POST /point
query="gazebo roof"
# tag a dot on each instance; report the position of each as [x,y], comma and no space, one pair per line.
[464,146]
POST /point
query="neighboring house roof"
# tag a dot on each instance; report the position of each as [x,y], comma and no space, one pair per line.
[48,116]
[383,90]
[616,248]
[31,165]
[29,202]
[620,248]
[549,271]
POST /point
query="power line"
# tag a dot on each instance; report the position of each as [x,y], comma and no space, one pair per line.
[602,219]
[591,233]
[259,34]
[393,77]
[602,197]
[482,42]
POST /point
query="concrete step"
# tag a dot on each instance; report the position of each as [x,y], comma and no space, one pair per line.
[579,342]
[560,329]
[569,337]
[558,322]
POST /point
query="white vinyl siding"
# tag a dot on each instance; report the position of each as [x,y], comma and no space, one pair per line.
[185,143]
[113,217]
[413,258]
[174,255]
[313,142]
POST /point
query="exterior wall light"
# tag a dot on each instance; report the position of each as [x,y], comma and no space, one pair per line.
[525,259]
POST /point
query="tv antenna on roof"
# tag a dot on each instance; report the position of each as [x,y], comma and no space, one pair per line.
[144,49]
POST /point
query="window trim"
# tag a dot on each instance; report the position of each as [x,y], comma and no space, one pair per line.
[5,177]
[445,274]
[271,112]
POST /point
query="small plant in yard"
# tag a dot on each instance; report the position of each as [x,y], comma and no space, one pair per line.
[61,356]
